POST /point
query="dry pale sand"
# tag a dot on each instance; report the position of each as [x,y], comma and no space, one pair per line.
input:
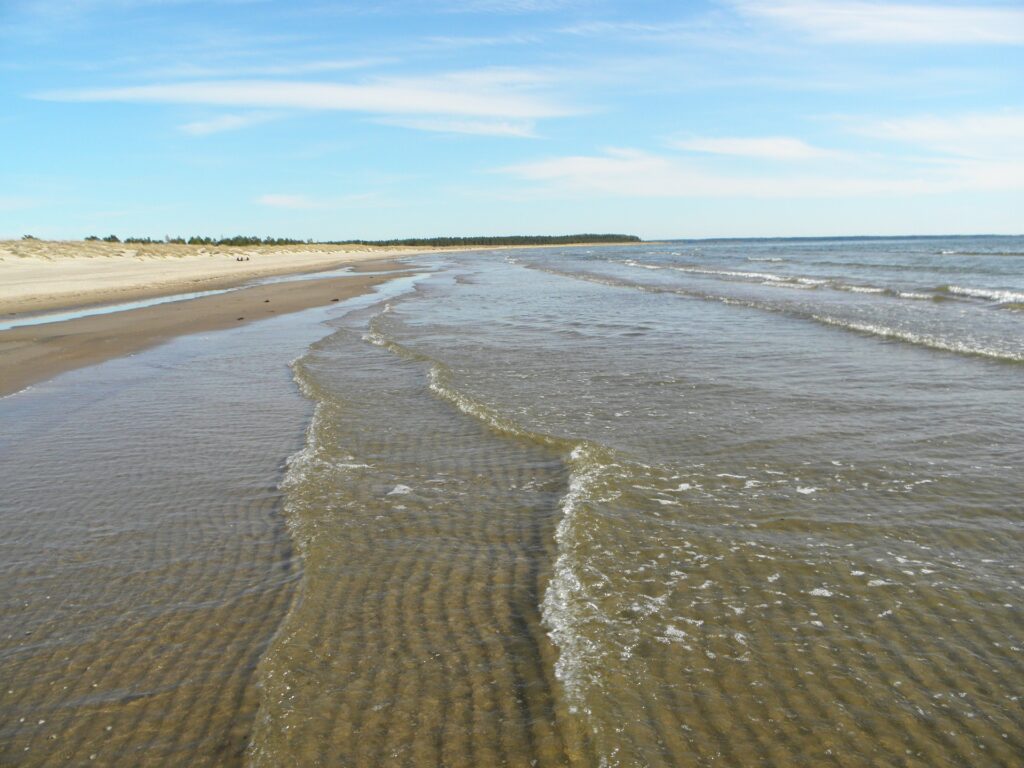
[40,275]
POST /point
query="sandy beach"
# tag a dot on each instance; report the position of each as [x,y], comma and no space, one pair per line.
[40,275]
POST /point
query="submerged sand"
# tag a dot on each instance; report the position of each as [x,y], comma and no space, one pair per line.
[144,562]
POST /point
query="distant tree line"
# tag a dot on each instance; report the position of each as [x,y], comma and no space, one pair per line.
[200,240]
[436,242]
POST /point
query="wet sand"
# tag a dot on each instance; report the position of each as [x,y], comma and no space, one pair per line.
[36,353]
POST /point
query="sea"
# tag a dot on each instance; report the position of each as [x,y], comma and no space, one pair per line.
[692,503]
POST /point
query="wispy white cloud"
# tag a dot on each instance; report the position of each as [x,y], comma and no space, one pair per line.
[700,32]
[884,22]
[223,123]
[509,6]
[458,42]
[765,148]
[507,94]
[65,7]
[997,136]
[507,128]
[263,70]
[634,173]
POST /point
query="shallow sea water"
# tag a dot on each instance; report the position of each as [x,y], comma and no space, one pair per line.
[144,560]
[738,503]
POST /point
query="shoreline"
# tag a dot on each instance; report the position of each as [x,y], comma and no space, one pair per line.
[43,276]
[36,353]
[40,277]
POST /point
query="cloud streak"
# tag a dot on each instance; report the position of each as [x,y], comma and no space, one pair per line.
[489,101]
[224,123]
[503,128]
[993,135]
[762,148]
[881,22]
[634,173]
[273,70]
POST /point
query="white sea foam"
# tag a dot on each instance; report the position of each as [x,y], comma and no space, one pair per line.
[781,280]
[565,599]
[675,632]
[916,295]
[820,592]
[16,392]
[992,294]
[934,342]
[732,273]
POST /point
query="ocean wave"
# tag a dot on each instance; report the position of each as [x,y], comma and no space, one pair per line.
[562,609]
[992,294]
[918,296]
[441,381]
[632,263]
[441,384]
[979,253]
[563,604]
[920,339]
[705,270]
[299,467]
[789,281]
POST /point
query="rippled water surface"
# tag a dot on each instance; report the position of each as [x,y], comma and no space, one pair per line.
[737,503]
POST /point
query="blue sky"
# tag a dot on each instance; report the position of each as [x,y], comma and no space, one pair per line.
[398,118]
